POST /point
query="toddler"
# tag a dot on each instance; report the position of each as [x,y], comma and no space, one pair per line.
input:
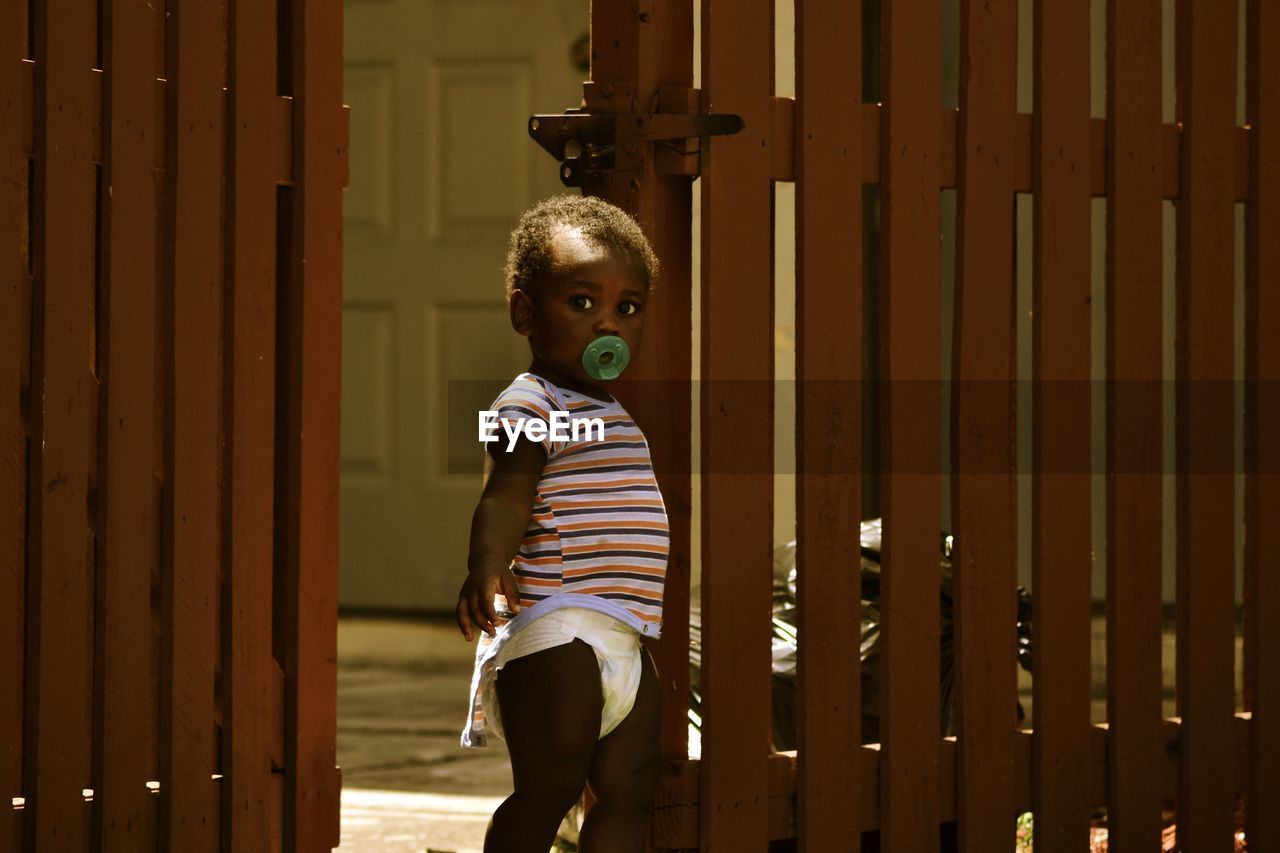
[569,543]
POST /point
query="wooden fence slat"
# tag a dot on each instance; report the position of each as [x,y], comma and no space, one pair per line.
[737,425]
[13,440]
[13,461]
[1061,149]
[1205,503]
[656,388]
[312,780]
[829,317]
[1134,421]
[984,430]
[249,400]
[189,799]
[910,328]
[664,409]
[60,604]
[1262,413]
[125,727]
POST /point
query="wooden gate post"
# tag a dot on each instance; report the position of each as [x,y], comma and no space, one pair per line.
[910,360]
[737,427]
[59,591]
[192,227]
[1204,346]
[829,418]
[1134,328]
[312,781]
[13,439]
[1262,407]
[984,430]
[642,51]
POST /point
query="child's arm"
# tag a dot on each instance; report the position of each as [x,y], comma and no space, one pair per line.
[497,528]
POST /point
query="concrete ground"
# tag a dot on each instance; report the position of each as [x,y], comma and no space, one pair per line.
[402,703]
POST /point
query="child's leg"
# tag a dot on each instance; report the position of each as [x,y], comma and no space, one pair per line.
[624,774]
[550,703]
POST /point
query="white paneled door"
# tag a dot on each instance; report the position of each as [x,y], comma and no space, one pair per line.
[441,166]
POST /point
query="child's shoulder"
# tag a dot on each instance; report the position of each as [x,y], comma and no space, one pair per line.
[531,383]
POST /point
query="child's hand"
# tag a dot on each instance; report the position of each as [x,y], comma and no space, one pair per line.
[497,529]
[475,600]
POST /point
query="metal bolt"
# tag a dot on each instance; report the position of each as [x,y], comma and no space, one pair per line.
[635,183]
[606,89]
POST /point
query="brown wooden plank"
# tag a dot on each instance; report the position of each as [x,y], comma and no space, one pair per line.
[312,781]
[1262,413]
[675,823]
[828,419]
[1168,159]
[984,429]
[14,331]
[737,425]
[60,606]
[782,167]
[1205,503]
[125,726]
[249,399]
[15,321]
[189,808]
[911,359]
[656,388]
[1134,422]
[675,817]
[1061,598]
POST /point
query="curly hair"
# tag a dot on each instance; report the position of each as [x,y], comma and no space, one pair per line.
[606,226]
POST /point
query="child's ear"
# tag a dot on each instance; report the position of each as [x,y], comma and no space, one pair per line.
[521,307]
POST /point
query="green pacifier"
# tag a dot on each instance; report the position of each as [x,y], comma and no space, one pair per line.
[606,357]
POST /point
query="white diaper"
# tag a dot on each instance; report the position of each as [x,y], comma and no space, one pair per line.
[617,648]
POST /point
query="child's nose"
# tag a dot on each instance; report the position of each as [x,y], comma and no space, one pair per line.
[606,324]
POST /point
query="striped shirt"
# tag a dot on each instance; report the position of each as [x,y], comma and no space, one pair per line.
[599,525]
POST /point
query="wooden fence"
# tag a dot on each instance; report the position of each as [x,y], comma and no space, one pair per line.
[832,144]
[170,298]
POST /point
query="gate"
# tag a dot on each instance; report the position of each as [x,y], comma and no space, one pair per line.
[170,296]
[832,144]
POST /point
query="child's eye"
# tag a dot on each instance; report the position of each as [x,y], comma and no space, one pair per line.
[580,302]
[629,308]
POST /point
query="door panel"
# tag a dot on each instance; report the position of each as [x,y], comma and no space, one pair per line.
[441,167]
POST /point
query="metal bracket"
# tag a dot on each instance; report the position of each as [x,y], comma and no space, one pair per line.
[588,144]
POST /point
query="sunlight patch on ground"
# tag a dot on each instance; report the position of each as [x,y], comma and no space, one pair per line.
[392,821]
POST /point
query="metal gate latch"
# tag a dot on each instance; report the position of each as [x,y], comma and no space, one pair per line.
[590,144]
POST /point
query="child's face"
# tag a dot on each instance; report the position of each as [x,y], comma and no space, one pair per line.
[586,295]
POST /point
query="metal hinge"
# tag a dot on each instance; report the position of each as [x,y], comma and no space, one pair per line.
[590,143]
